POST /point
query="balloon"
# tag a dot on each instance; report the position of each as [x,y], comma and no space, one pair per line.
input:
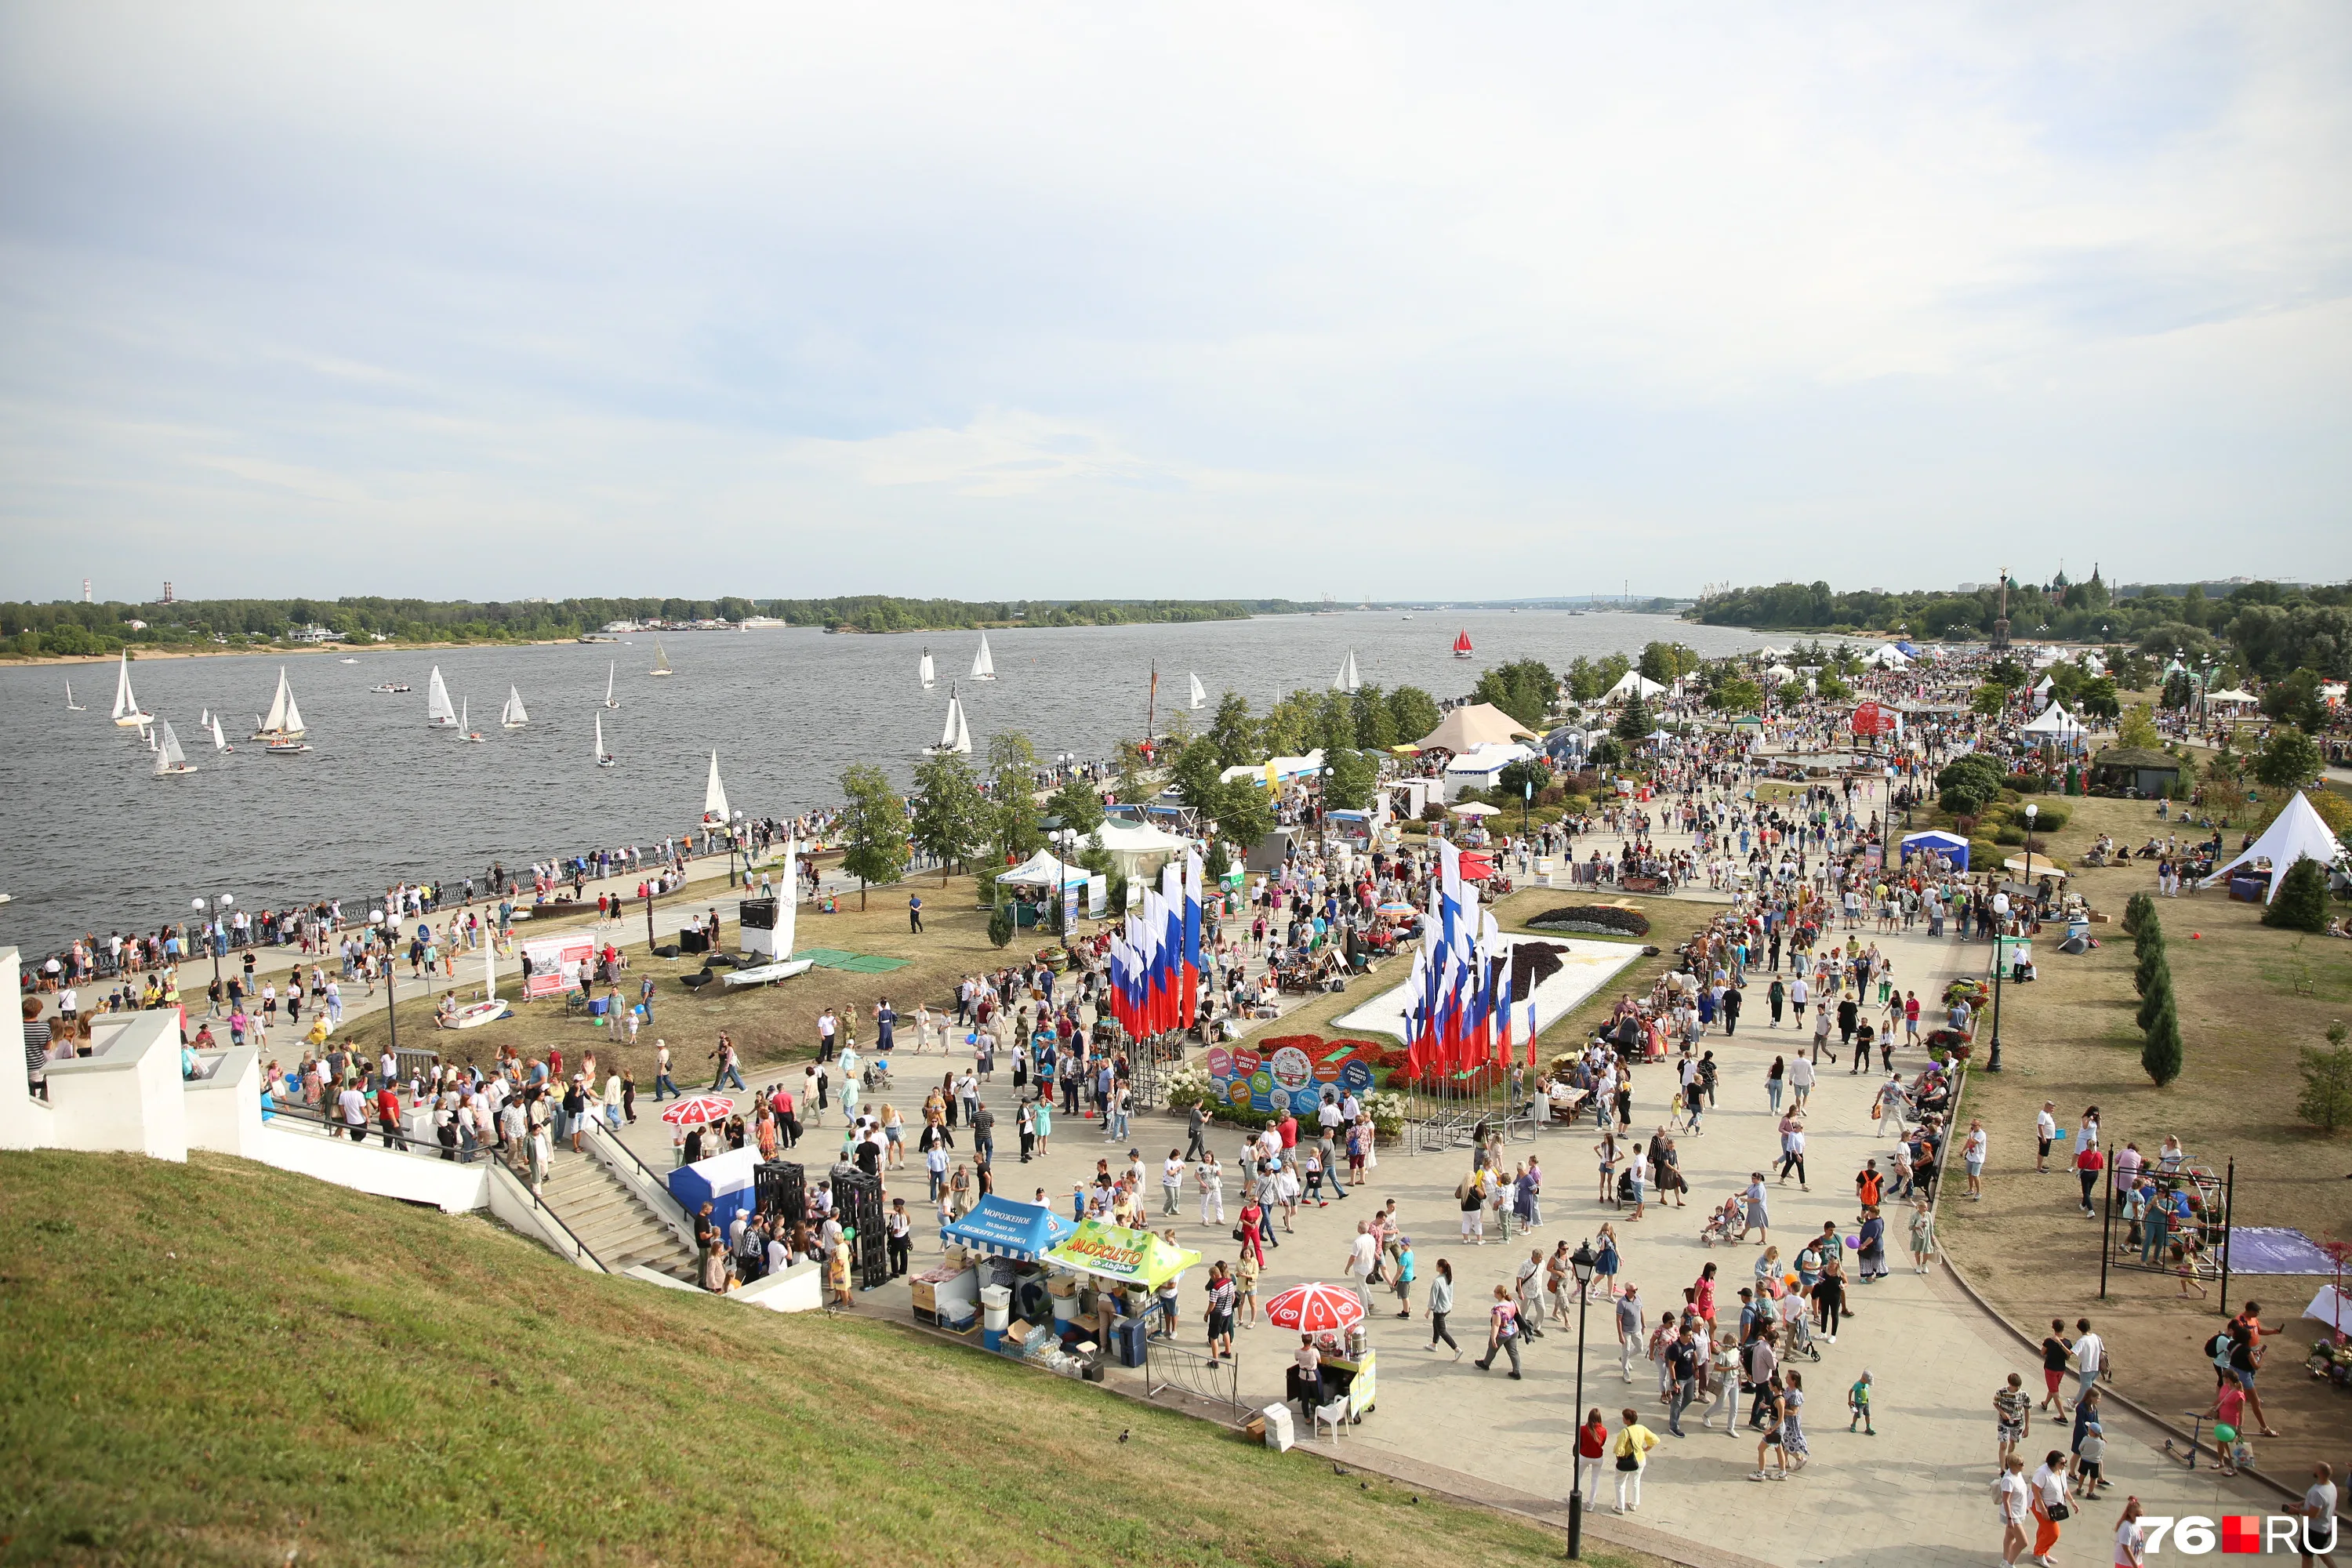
[1853,1241]
[2196,935]
[1790,1280]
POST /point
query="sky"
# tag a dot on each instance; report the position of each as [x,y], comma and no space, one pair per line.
[488,300]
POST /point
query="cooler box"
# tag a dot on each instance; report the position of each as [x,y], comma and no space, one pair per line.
[1126,1341]
[1277,1426]
[991,1339]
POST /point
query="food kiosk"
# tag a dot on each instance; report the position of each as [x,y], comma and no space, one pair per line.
[1129,1266]
[992,1263]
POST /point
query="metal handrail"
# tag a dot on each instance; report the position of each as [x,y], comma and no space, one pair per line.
[579,1248]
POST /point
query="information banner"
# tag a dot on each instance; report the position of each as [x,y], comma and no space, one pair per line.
[554,964]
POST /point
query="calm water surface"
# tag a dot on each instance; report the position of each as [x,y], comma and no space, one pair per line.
[91,841]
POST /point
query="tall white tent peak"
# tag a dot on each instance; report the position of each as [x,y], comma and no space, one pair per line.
[2298,833]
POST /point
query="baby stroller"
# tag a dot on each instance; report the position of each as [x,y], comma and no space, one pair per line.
[1720,1225]
[876,1074]
[1796,1341]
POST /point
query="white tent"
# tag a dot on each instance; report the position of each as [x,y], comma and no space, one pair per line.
[1303,767]
[1633,681]
[1476,724]
[1042,870]
[1778,673]
[1136,848]
[1888,656]
[2055,723]
[2233,697]
[1481,766]
[2041,692]
[2297,834]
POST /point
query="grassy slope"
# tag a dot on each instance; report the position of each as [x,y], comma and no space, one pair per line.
[2072,1037]
[221,1363]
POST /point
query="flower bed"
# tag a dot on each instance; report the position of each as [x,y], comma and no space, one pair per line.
[1598,919]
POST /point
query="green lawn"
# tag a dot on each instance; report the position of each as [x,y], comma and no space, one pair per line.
[222,1363]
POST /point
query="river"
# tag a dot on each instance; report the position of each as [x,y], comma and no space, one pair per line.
[93,841]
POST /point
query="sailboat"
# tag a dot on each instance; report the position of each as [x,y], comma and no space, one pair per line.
[1462,644]
[661,659]
[604,757]
[169,760]
[72,706]
[714,794]
[511,716]
[956,739]
[489,1009]
[285,720]
[1200,692]
[465,728]
[127,714]
[220,741]
[929,676]
[982,666]
[440,713]
[1348,679]
[610,670]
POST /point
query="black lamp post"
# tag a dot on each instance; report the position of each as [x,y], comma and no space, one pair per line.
[1582,1263]
[212,908]
[391,974]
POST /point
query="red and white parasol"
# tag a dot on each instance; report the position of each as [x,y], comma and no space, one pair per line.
[1316,1310]
[698,1108]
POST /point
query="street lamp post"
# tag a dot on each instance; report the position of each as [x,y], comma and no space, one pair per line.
[212,908]
[391,974]
[1583,1263]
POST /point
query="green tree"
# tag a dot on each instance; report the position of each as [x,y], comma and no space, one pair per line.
[1244,814]
[2151,958]
[877,850]
[1234,731]
[1335,723]
[1290,724]
[1134,773]
[2296,701]
[1525,688]
[1349,780]
[1831,688]
[2138,729]
[2288,760]
[2301,903]
[1667,661]
[2159,1052]
[1000,924]
[2098,698]
[1012,800]
[1967,784]
[1075,804]
[1512,781]
[2326,1098]
[1415,712]
[2136,908]
[1736,696]
[1196,775]
[1375,729]
[2158,995]
[1633,725]
[951,816]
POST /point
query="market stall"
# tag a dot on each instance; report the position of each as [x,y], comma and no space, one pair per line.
[1334,1315]
[1129,1266]
[991,1270]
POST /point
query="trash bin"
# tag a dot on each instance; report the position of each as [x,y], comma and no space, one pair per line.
[995,1307]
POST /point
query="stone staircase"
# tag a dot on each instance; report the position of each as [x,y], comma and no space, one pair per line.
[611,1221]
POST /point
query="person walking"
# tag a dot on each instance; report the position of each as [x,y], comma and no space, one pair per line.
[2013,1503]
[1502,1332]
[1633,1447]
[664,1086]
[1630,1325]
[2048,1505]
[1441,1302]
[1771,1394]
[1923,1236]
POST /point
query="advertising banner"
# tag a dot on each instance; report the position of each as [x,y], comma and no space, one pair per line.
[554,964]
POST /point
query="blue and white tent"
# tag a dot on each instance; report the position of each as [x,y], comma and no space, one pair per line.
[1007,1228]
[1951,846]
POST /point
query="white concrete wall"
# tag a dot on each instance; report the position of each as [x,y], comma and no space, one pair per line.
[128,1097]
[800,1289]
[224,1109]
[24,1122]
[448,1185]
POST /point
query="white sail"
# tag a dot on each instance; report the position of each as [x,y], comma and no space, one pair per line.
[439,711]
[787,905]
[929,677]
[464,706]
[511,715]
[276,719]
[220,741]
[1347,680]
[294,727]
[1200,692]
[126,706]
[963,732]
[72,706]
[661,659]
[714,794]
[604,757]
[983,668]
[169,758]
[613,670]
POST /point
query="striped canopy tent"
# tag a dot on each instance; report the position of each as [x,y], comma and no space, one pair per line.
[1004,1227]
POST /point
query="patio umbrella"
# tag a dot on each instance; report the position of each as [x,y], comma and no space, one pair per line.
[1476,868]
[698,1108]
[1478,809]
[1314,1310]
[1399,910]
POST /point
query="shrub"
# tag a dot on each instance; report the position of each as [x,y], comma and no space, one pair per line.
[2151,963]
[2026,783]
[2158,995]
[2009,833]
[2326,1098]
[1984,855]
[2149,933]
[1434,812]
[1552,795]
[2159,1054]
[1000,925]
[1605,920]
[2136,908]
[2301,903]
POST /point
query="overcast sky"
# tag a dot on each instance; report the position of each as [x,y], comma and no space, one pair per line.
[482,300]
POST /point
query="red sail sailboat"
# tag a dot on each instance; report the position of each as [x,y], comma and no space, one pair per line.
[1462,646]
